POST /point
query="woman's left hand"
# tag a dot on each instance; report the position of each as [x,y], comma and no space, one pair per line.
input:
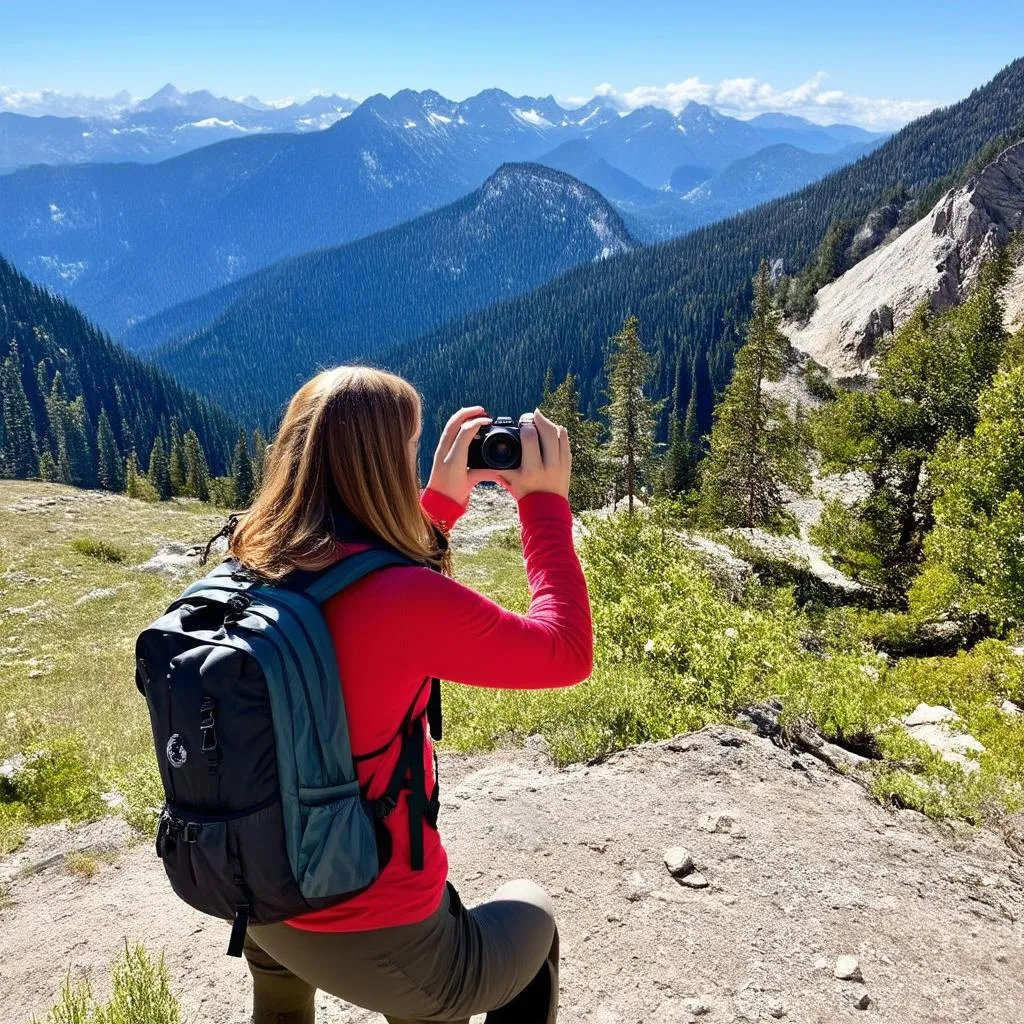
[450,474]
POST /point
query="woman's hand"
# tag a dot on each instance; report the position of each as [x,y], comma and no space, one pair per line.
[547,459]
[450,474]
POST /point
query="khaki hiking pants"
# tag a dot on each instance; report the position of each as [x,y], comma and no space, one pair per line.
[500,958]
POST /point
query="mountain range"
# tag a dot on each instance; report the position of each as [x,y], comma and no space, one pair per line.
[692,294]
[167,123]
[126,241]
[523,226]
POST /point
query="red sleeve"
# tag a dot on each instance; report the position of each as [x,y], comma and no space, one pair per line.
[452,632]
[444,512]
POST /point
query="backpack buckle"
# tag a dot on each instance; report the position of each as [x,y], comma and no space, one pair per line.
[207,724]
[190,833]
[383,807]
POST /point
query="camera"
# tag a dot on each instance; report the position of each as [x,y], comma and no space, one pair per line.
[497,446]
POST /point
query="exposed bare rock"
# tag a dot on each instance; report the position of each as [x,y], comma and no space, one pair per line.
[935,260]
[942,729]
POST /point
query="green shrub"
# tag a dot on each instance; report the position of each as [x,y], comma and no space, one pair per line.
[13,826]
[672,654]
[141,995]
[102,550]
[508,539]
[57,782]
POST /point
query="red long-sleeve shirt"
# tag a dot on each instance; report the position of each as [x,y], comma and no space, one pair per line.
[403,625]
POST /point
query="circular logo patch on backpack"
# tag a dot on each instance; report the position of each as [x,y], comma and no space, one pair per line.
[177,753]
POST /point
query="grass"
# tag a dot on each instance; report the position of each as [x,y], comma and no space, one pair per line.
[102,550]
[66,654]
[141,995]
[673,653]
[87,863]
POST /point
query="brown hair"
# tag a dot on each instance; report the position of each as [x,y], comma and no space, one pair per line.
[342,448]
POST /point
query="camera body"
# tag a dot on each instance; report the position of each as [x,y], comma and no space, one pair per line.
[497,446]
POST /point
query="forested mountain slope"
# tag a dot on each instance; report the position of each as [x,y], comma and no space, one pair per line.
[686,292]
[76,402]
[125,241]
[249,345]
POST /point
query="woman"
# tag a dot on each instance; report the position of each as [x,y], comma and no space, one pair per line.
[342,473]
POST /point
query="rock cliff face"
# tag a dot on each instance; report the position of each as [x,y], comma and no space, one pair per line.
[936,260]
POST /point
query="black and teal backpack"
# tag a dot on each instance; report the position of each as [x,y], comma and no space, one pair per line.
[264,816]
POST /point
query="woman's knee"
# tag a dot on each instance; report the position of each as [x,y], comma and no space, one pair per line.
[536,912]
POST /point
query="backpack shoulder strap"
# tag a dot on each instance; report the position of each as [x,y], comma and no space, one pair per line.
[334,580]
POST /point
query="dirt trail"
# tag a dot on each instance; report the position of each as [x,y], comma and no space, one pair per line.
[802,868]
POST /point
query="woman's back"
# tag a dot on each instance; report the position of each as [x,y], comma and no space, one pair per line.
[400,627]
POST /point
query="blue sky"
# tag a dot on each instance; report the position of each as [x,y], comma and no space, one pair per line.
[876,62]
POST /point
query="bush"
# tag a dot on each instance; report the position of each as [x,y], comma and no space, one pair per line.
[56,782]
[673,654]
[141,995]
[13,826]
[102,550]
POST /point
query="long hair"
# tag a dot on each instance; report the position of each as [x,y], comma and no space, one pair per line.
[341,450]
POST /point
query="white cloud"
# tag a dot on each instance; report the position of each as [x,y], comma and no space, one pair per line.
[746,97]
[50,101]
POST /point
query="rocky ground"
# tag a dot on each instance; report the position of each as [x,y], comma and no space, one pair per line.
[934,260]
[796,870]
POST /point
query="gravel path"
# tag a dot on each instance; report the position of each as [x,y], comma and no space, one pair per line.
[801,867]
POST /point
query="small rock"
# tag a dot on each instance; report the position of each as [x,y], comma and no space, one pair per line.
[696,1007]
[538,744]
[678,861]
[927,714]
[822,963]
[863,1002]
[776,1009]
[716,822]
[614,918]
[1010,708]
[848,969]
[694,880]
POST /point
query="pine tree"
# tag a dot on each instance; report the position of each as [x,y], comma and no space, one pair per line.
[241,472]
[131,475]
[259,457]
[177,462]
[78,453]
[69,428]
[159,472]
[587,487]
[47,467]
[677,470]
[756,446]
[197,473]
[20,450]
[108,458]
[632,416]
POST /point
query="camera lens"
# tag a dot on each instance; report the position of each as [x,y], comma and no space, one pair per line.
[501,449]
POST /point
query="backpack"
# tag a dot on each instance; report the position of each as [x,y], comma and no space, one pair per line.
[264,816]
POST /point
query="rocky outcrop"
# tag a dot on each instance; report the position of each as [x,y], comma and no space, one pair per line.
[934,261]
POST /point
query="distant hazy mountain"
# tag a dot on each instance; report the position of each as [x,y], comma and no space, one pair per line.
[525,225]
[125,241]
[768,173]
[698,196]
[165,124]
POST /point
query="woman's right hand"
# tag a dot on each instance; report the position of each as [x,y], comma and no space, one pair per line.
[547,460]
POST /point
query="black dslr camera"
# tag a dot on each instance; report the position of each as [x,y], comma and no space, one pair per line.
[497,446]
